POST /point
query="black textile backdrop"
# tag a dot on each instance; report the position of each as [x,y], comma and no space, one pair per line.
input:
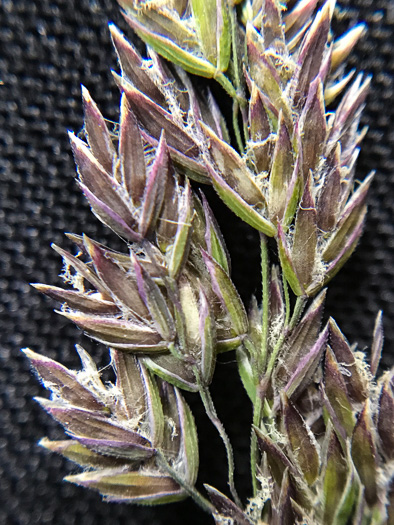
[49,47]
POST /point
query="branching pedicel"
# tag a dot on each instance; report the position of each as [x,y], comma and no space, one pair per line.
[322,446]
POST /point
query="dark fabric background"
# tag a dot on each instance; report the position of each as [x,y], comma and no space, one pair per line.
[49,47]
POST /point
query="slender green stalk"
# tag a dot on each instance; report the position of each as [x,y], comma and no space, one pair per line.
[289,325]
[261,357]
[253,442]
[237,131]
[227,85]
[191,490]
[265,302]
[234,45]
[212,414]
[238,81]
[244,114]
[287,301]
[300,303]
[299,306]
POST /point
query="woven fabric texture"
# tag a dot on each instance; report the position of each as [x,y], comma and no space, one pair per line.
[50,47]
